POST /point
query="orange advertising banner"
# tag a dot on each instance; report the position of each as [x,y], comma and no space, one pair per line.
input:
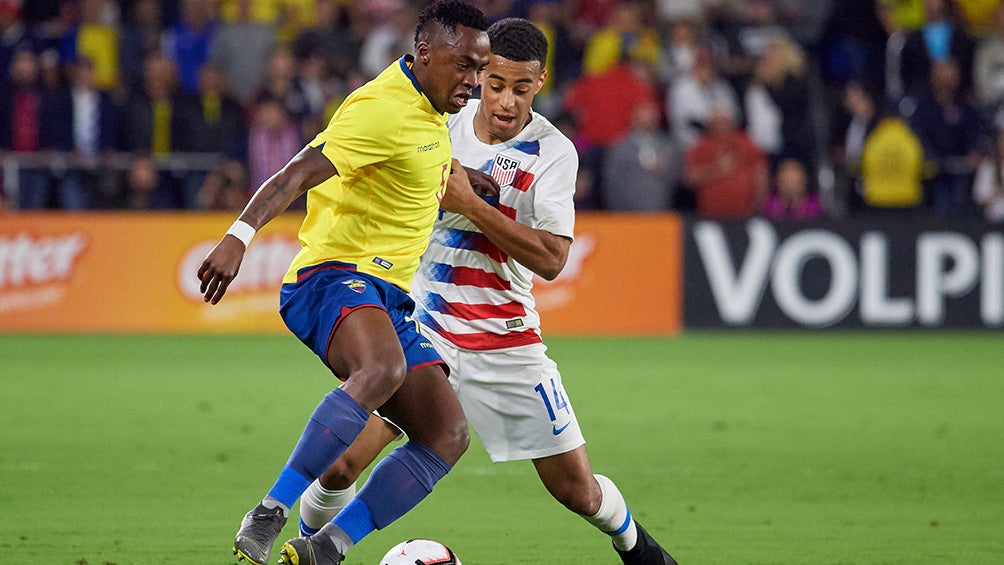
[135,273]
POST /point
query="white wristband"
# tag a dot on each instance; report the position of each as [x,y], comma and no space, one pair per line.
[242,231]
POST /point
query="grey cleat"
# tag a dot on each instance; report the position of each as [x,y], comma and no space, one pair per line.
[315,550]
[646,551]
[260,527]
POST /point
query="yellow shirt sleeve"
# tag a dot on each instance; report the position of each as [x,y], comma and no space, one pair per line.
[362,133]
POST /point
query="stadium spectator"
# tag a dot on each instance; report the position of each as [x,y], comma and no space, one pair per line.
[91,128]
[941,37]
[280,85]
[388,40]
[210,121]
[908,14]
[671,11]
[988,187]
[150,113]
[602,119]
[679,50]
[948,126]
[241,49]
[288,16]
[140,38]
[749,27]
[337,34]
[988,66]
[97,39]
[852,47]
[143,183]
[858,119]
[641,171]
[25,126]
[778,105]
[691,99]
[564,57]
[318,91]
[595,14]
[273,138]
[893,168]
[726,171]
[892,75]
[189,41]
[625,37]
[14,35]
[226,188]
[977,15]
[791,198]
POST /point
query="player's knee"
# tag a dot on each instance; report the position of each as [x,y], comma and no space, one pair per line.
[340,475]
[583,499]
[381,377]
[452,441]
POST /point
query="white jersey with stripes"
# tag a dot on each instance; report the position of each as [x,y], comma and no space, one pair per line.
[466,289]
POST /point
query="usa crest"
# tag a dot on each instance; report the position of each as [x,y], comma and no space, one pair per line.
[504,169]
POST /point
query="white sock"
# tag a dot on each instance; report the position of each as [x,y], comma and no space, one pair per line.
[270,503]
[614,518]
[319,505]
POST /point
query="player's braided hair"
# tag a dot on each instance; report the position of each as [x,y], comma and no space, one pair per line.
[449,14]
[518,40]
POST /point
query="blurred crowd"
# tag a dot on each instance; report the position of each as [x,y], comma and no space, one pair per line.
[788,109]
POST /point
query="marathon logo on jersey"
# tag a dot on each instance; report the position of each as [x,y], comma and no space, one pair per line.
[355,285]
[383,262]
[504,169]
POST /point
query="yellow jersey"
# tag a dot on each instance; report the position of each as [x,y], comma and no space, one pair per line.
[392,150]
[892,165]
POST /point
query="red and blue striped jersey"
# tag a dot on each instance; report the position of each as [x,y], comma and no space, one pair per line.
[468,290]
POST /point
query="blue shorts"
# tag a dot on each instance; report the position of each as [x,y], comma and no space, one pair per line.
[324,294]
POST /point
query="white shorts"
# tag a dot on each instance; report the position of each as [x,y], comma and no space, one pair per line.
[513,399]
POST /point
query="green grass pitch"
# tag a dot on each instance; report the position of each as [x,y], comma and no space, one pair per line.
[769,448]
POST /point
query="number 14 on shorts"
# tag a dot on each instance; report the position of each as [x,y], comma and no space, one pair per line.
[553,402]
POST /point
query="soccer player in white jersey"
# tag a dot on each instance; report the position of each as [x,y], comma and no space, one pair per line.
[472,292]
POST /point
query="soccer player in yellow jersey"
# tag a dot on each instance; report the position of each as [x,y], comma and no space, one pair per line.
[476,281]
[374,179]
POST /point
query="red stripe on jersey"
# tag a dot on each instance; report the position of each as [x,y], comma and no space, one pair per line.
[522,181]
[493,251]
[467,276]
[508,212]
[485,311]
[484,341]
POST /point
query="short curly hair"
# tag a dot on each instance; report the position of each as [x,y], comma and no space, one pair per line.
[517,39]
[449,14]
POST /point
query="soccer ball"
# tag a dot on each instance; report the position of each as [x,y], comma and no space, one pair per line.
[420,552]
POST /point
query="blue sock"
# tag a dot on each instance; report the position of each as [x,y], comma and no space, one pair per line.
[305,530]
[356,520]
[332,427]
[396,485]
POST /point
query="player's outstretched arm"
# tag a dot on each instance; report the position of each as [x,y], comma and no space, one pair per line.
[306,169]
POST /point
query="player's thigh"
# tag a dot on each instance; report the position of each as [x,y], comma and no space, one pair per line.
[516,403]
[347,319]
[365,339]
[426,409]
